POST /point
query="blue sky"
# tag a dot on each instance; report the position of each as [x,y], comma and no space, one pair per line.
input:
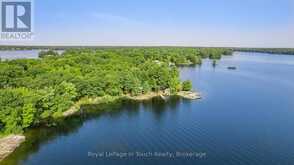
[248,23]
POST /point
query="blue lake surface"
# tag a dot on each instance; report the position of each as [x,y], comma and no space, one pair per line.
[22,54]
[246,116]
[18,54]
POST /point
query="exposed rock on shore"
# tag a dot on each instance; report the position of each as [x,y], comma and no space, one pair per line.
[9,143]
[75,108]
[146,96]
[189,95]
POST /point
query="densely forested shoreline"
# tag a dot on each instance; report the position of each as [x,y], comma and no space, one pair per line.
[34,91]
[289,51]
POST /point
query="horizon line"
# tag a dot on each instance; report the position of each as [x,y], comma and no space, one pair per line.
[147,46]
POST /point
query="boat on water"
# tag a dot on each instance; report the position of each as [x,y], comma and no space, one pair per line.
[232,68]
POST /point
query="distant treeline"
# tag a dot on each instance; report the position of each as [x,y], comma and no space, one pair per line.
[34,91]
[33,47]
[289,51]
[261,50]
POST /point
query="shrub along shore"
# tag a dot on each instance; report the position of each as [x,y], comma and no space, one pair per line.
[38,91]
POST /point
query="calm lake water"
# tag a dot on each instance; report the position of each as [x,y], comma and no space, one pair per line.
[246,117]
[20,54]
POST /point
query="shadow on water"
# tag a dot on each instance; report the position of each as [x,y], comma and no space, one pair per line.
[37,137]
[42,135]
[158,107]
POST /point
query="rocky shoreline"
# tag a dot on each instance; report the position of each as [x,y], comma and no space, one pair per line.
[9,143]
[189,95]
[75,108]
[184,94]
